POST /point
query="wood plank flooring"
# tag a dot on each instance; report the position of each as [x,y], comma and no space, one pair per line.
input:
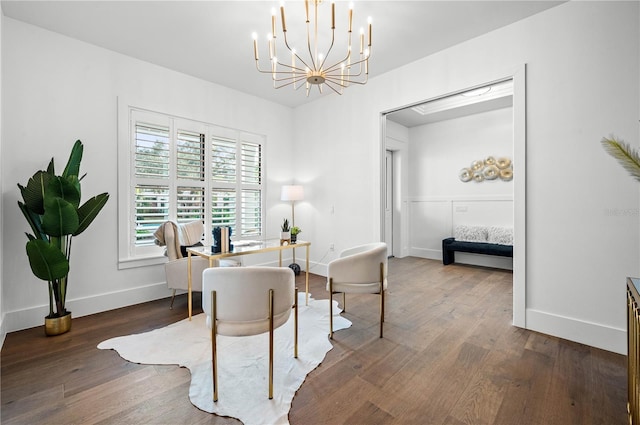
[449,356]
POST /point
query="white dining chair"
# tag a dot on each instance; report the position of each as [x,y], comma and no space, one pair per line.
[358,270]
[242,301]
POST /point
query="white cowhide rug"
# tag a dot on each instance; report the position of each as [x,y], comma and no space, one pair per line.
[243,373]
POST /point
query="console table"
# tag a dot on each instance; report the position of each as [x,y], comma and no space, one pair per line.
[246,248]
[633,350]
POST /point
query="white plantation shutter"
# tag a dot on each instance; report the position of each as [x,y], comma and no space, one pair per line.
[190,204]
[223,160]
[190,155]
[223,208]
[151,209]
[251,163]
[190,176]
[152,151]
[251,183]
[185,170]
[251,213]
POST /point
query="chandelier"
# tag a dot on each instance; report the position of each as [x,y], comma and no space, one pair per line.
[314,69]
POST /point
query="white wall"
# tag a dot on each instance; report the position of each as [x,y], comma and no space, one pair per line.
[439,200]
[57,90]
[582,84]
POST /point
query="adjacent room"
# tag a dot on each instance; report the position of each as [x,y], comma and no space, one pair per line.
[442,200]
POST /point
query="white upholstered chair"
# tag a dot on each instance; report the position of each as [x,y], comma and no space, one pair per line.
[241,301]
[175,237]
[359,270]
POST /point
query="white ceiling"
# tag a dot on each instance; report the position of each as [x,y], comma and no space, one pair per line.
[212,40]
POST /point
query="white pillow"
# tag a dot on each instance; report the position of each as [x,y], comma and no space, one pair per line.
[470,233]
[500,235]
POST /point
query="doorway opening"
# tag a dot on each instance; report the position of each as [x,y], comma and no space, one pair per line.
[499,104]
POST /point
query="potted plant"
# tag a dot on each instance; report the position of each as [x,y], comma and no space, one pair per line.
[285,234]
[294,233]
[51,206]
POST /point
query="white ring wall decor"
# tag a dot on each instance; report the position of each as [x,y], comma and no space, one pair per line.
[488,169]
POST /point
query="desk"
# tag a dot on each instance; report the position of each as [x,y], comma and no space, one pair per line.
[245,249]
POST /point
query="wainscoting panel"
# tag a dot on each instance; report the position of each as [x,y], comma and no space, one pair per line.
[430,222]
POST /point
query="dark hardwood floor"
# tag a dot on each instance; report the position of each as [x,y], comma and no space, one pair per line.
[449,356]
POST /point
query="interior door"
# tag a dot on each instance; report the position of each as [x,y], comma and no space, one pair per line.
[388,203]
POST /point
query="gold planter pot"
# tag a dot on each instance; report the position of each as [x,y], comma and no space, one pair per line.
[57,325]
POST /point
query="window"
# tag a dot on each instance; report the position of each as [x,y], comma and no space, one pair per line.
[186,170]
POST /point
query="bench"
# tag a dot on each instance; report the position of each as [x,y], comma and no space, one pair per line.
[451,245]
[487,240]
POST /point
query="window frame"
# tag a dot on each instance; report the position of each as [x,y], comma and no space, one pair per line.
[131,254]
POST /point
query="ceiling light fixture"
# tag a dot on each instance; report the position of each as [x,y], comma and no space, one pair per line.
[314,69]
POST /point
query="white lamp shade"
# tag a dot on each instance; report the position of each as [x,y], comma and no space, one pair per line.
[292,193]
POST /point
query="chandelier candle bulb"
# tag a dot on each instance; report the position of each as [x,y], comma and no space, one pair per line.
[273,21]
[255,45]
[306,7]
[361,40]
[284,23]
[333,14]
[350,17]
[369,21]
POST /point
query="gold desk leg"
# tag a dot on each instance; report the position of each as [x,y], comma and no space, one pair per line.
[189,281]
[214,347]
[295,320]
[306,299]
[279,258]
[270,344]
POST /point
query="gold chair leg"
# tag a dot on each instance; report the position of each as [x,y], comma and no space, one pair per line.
[295,320]
[173,297]
[344,302]
[270,344]
[330,308]
[214,351]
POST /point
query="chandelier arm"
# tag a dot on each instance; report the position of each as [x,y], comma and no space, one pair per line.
[286,43]
[350,81]
[293,81]
[333,38]
[294,69]
[346,58]
[359,64]
[329,84]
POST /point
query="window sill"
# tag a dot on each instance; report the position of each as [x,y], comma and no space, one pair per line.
[131,263]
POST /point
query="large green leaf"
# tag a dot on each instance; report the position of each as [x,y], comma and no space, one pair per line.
[60,217]
[60,187]
[89,210]
[47,262]
[73,164]
[627,156]
[33,193]
[34,221]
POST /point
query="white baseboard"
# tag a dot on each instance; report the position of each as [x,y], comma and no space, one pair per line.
[592,334]
[34,316]
[3,331]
